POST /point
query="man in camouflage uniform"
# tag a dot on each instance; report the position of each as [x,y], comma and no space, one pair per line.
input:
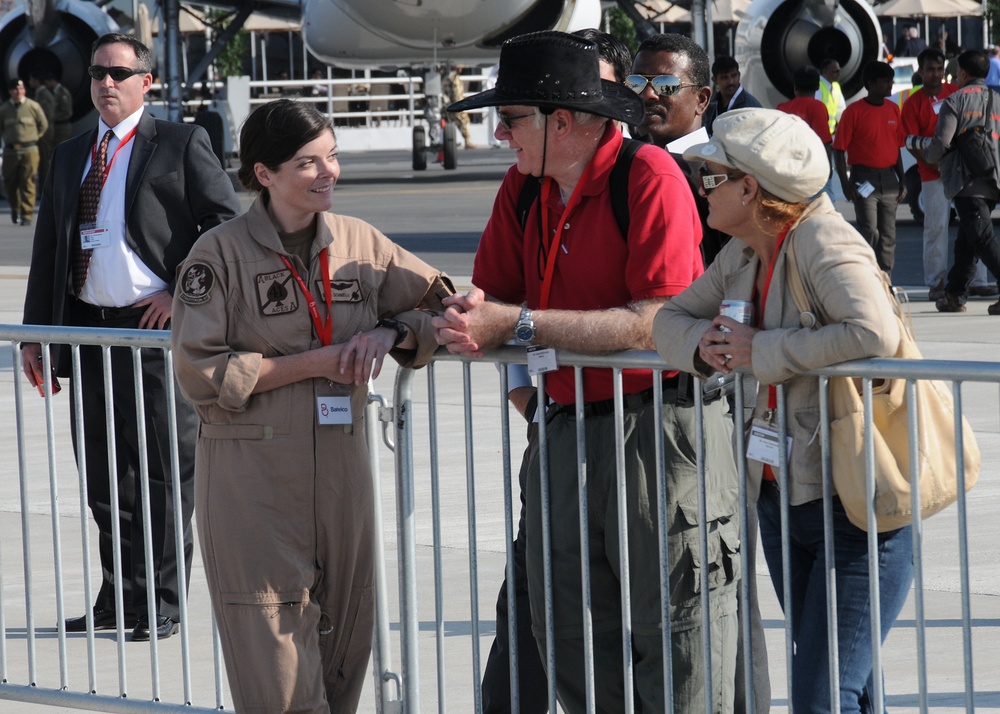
[22,124]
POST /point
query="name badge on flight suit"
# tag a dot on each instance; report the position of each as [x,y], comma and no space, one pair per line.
[333,404]
[94,236]
[763,443]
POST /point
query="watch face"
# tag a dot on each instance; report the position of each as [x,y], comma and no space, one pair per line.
[524,333]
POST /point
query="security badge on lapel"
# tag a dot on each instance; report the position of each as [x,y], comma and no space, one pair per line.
[764,440]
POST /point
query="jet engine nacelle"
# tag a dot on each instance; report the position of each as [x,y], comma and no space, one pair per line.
[361,33]
[776,37]
[61,43]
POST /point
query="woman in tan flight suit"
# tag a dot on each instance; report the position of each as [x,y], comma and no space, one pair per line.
[279,318]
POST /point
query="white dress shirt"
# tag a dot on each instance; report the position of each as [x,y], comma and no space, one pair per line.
[117,275]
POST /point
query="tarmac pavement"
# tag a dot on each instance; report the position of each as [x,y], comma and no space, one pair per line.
[439,215]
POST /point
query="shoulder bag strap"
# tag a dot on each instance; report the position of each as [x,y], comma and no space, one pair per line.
[795,284]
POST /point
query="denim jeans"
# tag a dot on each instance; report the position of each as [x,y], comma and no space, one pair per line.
[976,241]
[810,665]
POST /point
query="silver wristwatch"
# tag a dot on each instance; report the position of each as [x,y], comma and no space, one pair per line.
[524,329]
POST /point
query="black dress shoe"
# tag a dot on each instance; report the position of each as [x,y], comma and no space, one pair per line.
[165,627]
[14,217]
[103,620]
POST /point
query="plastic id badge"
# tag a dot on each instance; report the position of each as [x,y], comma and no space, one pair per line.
[91,238]
[333,404]
[541,360]
[763,444]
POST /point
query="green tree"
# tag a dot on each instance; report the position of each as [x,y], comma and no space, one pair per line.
[621,26]
[229,62]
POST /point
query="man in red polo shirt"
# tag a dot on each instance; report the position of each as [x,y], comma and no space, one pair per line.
[565,277]
[870,133]
[812,111]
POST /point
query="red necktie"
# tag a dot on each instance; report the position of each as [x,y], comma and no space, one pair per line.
[90,199]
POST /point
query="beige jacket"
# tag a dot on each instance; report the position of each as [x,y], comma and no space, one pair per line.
[236,303]
[844,287]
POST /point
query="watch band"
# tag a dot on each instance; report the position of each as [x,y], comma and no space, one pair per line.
[396,325]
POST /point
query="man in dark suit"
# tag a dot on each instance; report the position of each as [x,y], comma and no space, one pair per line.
[121,208]
[730,93]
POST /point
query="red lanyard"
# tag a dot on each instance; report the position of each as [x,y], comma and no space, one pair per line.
[772,391]
[556,242]
[323,330]
[107,167]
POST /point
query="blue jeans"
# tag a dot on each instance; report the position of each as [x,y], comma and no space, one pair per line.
[810,666]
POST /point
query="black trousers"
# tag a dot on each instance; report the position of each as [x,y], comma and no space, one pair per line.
[163,569]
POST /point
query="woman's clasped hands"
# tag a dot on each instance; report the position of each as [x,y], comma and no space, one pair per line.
[727,344]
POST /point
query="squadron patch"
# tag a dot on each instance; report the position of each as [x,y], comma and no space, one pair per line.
[197,283]
[276,293]
[347,290]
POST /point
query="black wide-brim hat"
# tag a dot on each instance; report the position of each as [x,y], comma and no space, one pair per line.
[555,70]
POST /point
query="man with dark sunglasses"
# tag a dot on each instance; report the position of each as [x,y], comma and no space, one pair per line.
[676,99]
[123,205]
[670,75]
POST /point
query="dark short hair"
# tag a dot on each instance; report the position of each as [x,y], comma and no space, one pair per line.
[273,133]
[825,64]
[877,70]
[805,79]
[14,83]
[975,63]
[681,45]
[612,50]
[724,65]
[931,54]
[143,56]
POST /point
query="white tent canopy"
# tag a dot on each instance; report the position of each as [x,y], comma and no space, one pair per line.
[929,8]
[667,12]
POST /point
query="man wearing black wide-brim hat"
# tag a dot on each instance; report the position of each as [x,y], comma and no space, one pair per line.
[561,276]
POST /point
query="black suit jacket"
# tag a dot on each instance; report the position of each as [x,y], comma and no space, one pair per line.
[745,100]
[175,191]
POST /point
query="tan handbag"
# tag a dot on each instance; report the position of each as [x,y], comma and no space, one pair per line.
[938,476]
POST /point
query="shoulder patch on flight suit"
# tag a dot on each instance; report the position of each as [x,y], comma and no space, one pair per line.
[347,290]
[276,293]
[197,283]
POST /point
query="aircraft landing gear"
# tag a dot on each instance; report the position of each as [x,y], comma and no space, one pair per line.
[445,145]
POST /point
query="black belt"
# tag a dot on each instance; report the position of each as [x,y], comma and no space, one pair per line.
[606,407]
[98,313]
[14,146]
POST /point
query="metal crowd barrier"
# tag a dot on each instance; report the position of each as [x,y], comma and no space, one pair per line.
[438,672]
[103,670]
[453,446]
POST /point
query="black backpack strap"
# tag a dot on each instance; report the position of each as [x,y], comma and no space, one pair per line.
[619,189]
[529,192]
[619,184]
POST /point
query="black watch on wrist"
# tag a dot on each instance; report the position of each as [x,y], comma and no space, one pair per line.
[396,325]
